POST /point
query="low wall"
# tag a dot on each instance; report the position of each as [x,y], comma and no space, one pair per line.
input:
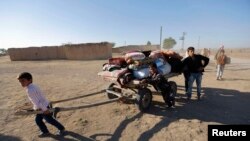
[89,51]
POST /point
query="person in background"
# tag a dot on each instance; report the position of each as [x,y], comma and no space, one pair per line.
[218,52]
[195,66]
[220,61]
[209,52]
[39,102]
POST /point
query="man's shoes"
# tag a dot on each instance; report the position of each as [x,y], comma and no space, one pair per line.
[60,132]
[43,135]
[217,78]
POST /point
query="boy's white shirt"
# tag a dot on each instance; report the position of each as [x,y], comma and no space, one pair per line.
[37,98]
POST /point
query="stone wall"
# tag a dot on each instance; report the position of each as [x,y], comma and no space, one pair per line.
[89,51]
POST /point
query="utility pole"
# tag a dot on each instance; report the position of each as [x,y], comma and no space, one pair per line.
[160,37]
[182,38]
[198,42]
[183,35]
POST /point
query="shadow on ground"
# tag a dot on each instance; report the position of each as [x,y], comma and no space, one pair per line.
[9,138]
[70,136]
[224,106]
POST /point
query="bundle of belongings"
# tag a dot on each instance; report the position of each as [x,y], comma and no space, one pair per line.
[135,65]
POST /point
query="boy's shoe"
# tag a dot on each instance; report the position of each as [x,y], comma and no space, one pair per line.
[60,132]
[42,135]
[217,78]
[199,98]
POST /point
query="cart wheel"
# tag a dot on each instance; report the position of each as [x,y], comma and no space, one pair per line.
[111,87]
[143,99]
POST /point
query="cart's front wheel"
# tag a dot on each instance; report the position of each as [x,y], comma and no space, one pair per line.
[111,87]
[144,99]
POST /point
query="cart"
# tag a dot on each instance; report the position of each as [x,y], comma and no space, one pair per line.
[136,91]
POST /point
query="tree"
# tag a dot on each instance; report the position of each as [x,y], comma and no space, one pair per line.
[169,43]
[3,51]
[148,43]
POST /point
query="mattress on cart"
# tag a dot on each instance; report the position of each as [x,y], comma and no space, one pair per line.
[111,75]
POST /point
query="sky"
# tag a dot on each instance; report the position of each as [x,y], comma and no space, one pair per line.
[207,23]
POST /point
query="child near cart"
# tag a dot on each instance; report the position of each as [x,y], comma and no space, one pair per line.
[160,84]
[37,98]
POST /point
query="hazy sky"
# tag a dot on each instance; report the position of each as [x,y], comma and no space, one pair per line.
[54,22]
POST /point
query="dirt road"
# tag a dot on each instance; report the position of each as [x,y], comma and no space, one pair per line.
[223,102]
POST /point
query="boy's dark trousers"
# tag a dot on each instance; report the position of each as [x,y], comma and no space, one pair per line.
[167,98]
[164,88]
[48,117]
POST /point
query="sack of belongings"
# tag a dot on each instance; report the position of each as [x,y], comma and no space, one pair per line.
[136,64]
[163,67]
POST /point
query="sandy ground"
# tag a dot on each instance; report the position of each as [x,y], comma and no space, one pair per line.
[223,102]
